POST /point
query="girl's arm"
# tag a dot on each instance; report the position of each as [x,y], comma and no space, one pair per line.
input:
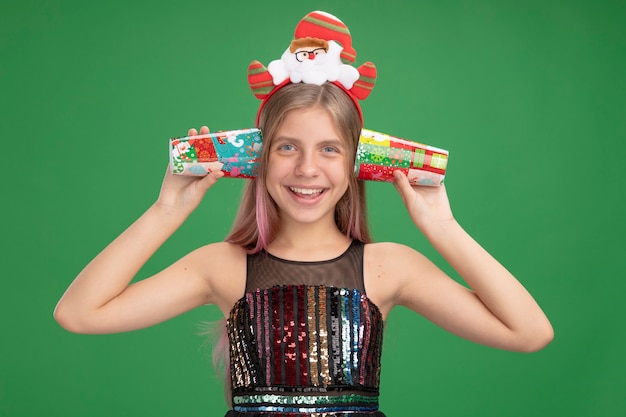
[100,299]
[497,311]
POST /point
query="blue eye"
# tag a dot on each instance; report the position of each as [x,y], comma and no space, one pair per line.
[286,147]
[330,149]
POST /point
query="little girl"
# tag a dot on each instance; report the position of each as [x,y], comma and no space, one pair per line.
[305,290]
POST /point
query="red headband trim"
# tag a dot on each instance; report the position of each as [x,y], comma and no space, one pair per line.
[355,101]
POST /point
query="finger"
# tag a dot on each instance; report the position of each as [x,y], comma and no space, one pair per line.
[401,182]
[192,132]
[204,130]
[210,179]
[402,186]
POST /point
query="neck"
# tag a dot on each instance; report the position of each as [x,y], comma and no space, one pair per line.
[309,242]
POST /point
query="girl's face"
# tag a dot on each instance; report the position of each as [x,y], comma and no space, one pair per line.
[307,169]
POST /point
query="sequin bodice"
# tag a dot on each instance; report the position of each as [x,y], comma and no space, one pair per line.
[302,349]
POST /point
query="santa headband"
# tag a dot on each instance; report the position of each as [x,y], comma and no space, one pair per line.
[320,52]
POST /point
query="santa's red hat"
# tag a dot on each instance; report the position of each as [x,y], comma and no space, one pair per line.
[325,26]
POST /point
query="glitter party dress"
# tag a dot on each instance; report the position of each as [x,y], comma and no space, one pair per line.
[305,340]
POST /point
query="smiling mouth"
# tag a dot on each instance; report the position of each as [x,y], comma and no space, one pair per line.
[306,191]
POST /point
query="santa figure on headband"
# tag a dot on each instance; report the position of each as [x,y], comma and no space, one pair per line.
[320,52]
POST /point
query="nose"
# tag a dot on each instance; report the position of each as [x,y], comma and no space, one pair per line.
[311,56]
[307,165]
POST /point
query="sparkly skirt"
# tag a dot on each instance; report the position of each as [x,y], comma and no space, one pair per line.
[232,413]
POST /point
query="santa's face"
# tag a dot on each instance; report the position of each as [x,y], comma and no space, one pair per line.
[314,58]
[304,54]
[313,63]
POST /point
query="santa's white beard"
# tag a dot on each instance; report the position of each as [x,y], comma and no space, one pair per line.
[324,67]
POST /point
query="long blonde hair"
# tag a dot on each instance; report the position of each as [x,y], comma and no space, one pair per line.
[257,222]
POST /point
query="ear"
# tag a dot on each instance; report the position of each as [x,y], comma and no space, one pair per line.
[259,79]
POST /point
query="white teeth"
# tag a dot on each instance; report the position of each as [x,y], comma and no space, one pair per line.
[306,191]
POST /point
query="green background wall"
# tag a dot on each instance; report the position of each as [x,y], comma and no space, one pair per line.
[527,96]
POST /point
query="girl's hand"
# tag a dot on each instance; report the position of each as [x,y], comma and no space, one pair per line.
[181,192]
[426,205]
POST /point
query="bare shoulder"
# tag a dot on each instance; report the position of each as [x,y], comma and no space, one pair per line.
[219,255]
[388,257]
[229,250]
[394,273]
[223,266]
[385,266]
